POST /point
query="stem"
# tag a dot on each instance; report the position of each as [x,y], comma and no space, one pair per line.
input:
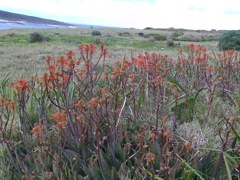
[220,159]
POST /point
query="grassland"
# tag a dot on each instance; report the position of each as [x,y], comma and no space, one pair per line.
[19,57]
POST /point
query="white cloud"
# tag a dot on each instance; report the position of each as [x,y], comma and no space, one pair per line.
[194,14]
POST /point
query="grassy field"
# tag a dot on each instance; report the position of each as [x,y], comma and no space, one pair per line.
[20,57]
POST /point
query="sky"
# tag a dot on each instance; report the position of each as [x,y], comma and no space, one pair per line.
[187,14]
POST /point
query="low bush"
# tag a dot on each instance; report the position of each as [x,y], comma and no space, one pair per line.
[37,37]
[157,37]
[148,28]
[170,43]
[230,40]
[126,34]
[141,34]
[177,34]
[96,33]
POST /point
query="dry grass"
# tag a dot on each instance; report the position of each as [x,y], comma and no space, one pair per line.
[21,58]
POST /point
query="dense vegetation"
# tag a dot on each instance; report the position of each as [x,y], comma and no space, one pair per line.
[147,116]
[230,40]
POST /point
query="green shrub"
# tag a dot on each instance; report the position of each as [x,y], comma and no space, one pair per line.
[177,34]
[148,28]
[170,43]
[37,37]
[157,37]
[126,34]
[96,33]
[229,40]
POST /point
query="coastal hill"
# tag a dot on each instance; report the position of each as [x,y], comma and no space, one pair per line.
[14,17]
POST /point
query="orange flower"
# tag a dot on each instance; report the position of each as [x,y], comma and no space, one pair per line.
[10,104]
[150,158]
[88,48]
[95,102]
[92,48]
[210,68]
[126,64]
[61,61]
[159,80]
[141,63]
[116,71]
[52,68]
[65,78]
[153,137]
[80,104]
[70,54]
[191,47]
[117,63]
[60,118]
[197,60]
[180,52]
[132,77]
[168,135]
[36,131]
[229,53]
[2,101]
[188,146]
[81,74]
[48,60]
[22,84]
[106,76]
[81,118]
[44,80]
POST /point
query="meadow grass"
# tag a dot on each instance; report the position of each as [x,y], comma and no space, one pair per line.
[19,57]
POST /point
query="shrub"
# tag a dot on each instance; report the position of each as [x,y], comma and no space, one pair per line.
[148,28]
[177,34]
[96,33]
[170,43]
[126,34]
[37,37]
[141,34]
[229,40]
[160,38]
[157,37]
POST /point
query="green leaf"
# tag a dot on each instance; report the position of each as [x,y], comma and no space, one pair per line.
[155,177]
[191,168]
[234,131]
[227,168]
[140,100]
[172,80]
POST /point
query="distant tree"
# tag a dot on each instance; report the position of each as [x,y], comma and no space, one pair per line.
[148,28]
[96,33]
[229,40]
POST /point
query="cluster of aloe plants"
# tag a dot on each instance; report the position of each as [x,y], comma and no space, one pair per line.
[83,119]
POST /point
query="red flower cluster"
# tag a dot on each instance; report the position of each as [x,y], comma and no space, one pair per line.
[60,118]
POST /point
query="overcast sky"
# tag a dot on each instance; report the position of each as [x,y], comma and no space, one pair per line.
[189,14]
